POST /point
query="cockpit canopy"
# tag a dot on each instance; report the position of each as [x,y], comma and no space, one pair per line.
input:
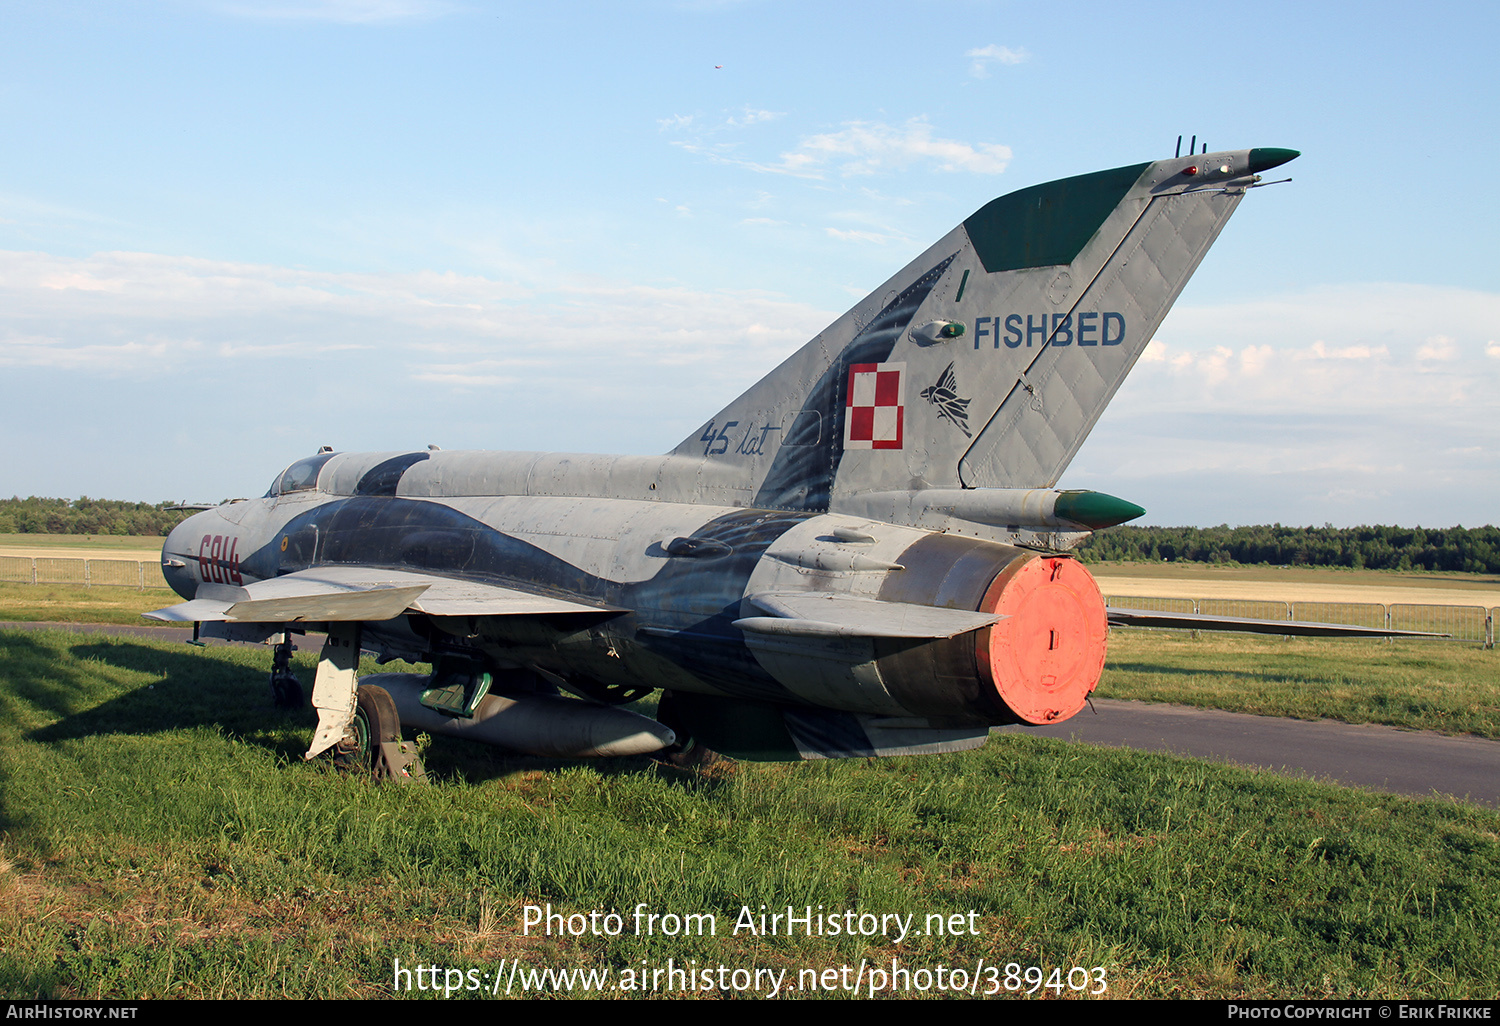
[301,476]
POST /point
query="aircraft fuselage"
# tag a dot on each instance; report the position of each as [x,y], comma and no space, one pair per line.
[673,584]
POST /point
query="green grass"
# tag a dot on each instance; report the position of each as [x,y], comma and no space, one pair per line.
[161,837]
[1425,685]
[73,603]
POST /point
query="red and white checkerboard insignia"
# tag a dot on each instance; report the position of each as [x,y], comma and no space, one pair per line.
[874,410]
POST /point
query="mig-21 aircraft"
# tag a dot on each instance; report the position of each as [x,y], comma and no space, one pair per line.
[864,554]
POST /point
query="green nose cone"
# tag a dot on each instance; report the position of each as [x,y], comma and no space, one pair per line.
[1094,509]
[1263,158]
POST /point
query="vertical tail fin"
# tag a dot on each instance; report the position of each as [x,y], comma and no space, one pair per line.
[985,362]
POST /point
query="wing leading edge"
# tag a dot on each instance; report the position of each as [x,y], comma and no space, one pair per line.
[348,593]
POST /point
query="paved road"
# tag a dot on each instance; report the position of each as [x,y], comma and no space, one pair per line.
[1410,762]
[1415,762]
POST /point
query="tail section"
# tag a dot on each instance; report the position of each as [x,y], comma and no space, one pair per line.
[986,361]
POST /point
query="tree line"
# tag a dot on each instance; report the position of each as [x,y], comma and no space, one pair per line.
[36,515]
[1474,549]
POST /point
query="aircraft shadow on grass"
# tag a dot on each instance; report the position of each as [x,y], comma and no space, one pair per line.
[191,691]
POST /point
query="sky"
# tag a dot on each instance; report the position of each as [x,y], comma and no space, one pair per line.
[233,231]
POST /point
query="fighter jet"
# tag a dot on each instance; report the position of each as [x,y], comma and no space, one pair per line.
[864,554]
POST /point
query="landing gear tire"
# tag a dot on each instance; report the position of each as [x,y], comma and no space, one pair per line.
[286,689]
[375,721]
[685,752]
[286,692]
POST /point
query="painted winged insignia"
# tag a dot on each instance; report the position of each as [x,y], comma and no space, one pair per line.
[944,395]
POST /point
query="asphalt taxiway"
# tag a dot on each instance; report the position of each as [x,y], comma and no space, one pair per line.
[1413,762]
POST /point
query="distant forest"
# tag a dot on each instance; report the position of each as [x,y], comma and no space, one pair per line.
[1474,549]
[86,516]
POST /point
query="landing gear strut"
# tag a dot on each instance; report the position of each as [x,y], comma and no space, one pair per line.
[286,689]
[357,722]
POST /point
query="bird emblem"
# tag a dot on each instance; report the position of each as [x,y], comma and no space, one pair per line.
[944,395]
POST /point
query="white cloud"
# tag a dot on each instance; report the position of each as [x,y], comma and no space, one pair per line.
[1321,350]
[56,354]
[867,147]
[155,316]
[1254,359]
[1301,407]
[1293,407]
[750,116]
[259,364]
[1438,347]
[984,56]
[860,148]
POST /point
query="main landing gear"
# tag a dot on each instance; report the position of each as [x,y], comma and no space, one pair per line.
[372,743]
[358,722]
[686,752]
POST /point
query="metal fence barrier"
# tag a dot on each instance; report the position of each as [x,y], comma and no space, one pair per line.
[1464,623]
[1360,614]
[1254,609]
[104,573]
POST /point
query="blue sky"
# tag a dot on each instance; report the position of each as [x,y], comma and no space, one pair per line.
[234,230]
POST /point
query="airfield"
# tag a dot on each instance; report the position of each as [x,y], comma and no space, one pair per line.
[58,546]
[163,838]
[1297,584]
[1167,580]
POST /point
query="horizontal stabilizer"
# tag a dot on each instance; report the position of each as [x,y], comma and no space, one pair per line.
[823,615]
[1245,625]
[342,593]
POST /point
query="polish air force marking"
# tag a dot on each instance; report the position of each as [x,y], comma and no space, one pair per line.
[874,408]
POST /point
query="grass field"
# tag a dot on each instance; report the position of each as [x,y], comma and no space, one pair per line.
[81,546]
[160,837]
[1425,685]
[1296,574]
[72,603]
[1296,584]
[1450,687]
